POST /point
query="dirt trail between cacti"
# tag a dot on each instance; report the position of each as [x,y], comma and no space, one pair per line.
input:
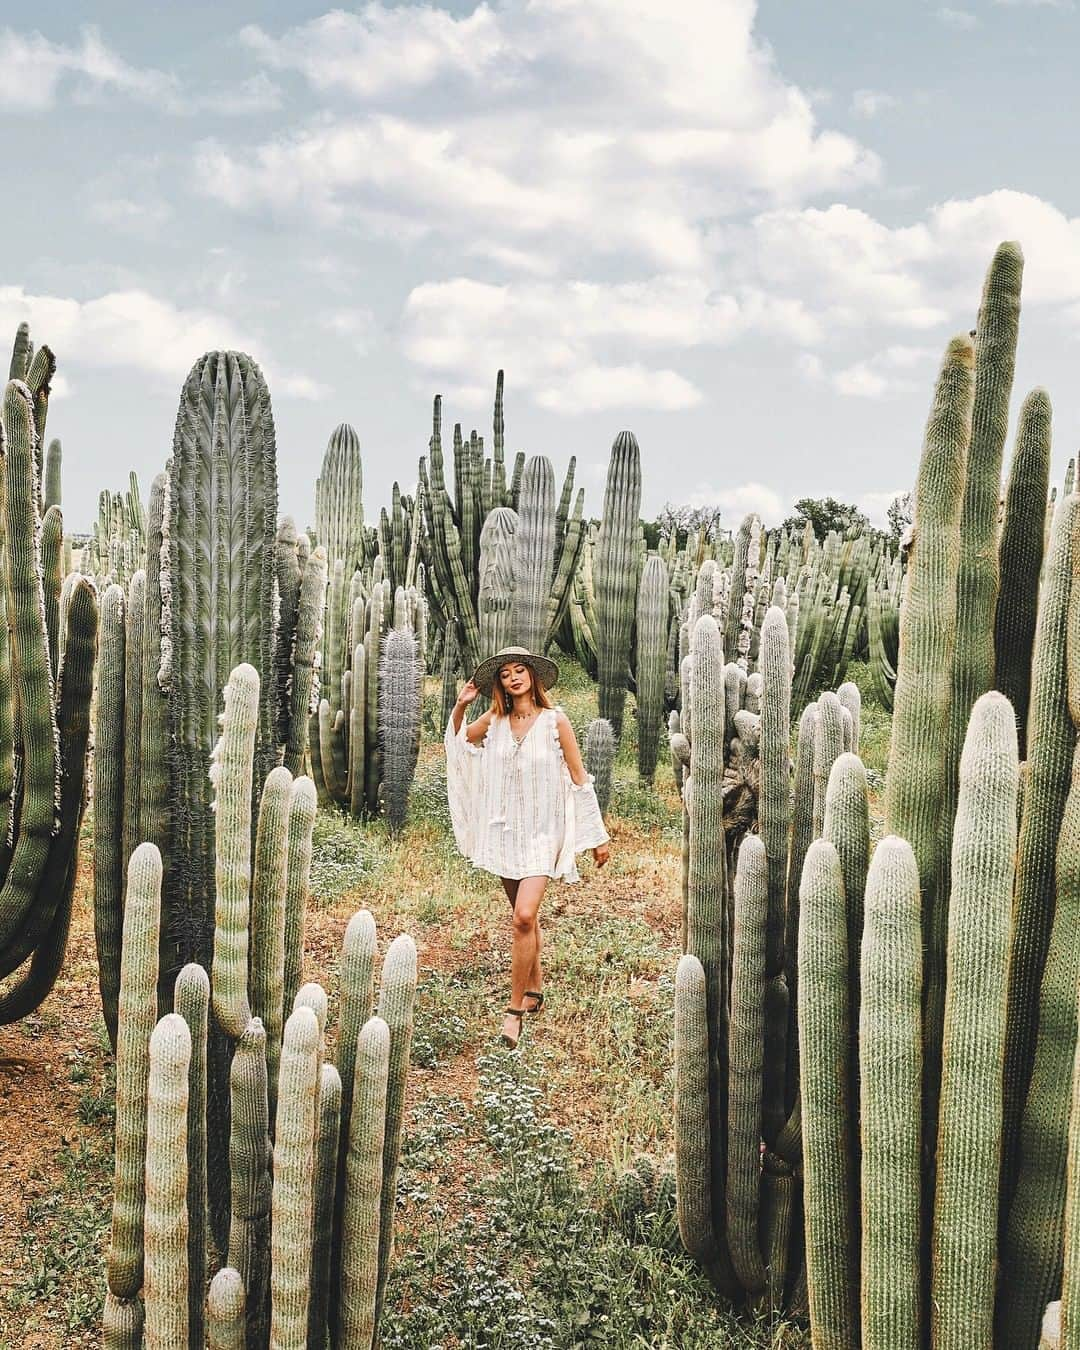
[54,1096]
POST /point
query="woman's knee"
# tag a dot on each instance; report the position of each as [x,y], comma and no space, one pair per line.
[524,920]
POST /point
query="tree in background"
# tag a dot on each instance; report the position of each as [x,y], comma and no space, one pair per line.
[825,514]
[680,521]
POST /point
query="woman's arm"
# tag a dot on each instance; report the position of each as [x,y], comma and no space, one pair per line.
[570,750]
[475,733]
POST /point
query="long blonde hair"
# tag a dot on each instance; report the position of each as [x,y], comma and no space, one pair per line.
[501,702]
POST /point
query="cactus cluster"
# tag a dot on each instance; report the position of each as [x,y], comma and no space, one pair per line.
[309,1175]
[365,733]
[48,639]
[117,547]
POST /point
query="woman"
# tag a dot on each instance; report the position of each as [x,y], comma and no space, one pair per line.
[521,802]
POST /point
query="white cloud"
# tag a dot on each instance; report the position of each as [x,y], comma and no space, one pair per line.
[542,129]
[1036,4]
[130,216]
[869,102]
[380,52]
[740,501]
[297,386]
[876,505]
[961,19]
[578,346]
[356,326]
[35,68]
[134,330]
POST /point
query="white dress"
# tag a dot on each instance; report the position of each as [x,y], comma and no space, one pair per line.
[515,809]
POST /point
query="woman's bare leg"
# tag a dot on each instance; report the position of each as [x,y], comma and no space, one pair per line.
[525,951]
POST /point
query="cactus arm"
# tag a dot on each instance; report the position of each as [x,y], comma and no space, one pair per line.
[165,1293]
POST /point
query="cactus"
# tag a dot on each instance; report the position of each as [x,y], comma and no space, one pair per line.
[617,569]
[652,632]
[361,1232]
[137,1018]
[969,1130]
[339,507]
[600,746]
[1031,1254]
[497,579]
[824,1021]
[250,1192]
[1021,558]
[166,1226]
[400,694]
[747,1057]
[915,786]
[327,1152]
[294,1139]
[109,805]
[44,707]
[534,553]
[1050,742]
[225,1310]
[890,1063]
[193,1005]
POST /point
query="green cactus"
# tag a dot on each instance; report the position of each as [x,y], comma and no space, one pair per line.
[1050,742]
[617,569]
[534,553]
[629,1199]
[969,1128]
[294,1141]
[828,747]
[401,677]
[890,1065]
[1031,1253]
[599,748]
[361,1242]
[832,1258]
[193,1005]
[339,506]
[1021,558]
[122,1323]
[249,1177]
[327,1152]
[302,806]
[165,1290]
[693,1137]
[225,1310]
[266,965]
[774,802]
[231,774]
[651,663]
[137,1018]
[915,783]
[397,996]
[497,578]
[744,1107]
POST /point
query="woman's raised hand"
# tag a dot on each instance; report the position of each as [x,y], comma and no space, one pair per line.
[468,692]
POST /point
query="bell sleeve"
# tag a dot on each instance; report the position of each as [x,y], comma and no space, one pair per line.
[462,785]
[589,831]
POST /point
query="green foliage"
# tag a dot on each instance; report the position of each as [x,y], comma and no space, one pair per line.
[825,514]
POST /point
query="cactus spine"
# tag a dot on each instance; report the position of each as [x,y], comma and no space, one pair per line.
[652,634]
[166,1287]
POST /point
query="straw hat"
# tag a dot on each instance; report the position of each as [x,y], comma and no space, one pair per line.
[543,666]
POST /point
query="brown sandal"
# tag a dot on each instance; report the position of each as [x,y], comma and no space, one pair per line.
[536,994]
[519,1013]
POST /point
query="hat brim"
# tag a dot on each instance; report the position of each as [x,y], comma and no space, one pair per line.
[486,672]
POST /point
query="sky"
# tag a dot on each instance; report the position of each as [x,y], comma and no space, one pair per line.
[743,231]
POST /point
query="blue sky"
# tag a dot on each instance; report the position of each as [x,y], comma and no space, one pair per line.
[744,231]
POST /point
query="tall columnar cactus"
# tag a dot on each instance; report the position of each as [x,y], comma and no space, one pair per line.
[1021,558]
[969,1127]
[498,578]
[747,1061]
[890,1073]
[165,1297]
[339,504]
[138,1014]
[294,1139]
[53,462]
[651,663]
[1031,1255]
[360,1242]
[534,554]
[46,674]
[617,569]
[193,1005]
[915,784]
[832,1260]
[401,679]
[600,750]
[222,506]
